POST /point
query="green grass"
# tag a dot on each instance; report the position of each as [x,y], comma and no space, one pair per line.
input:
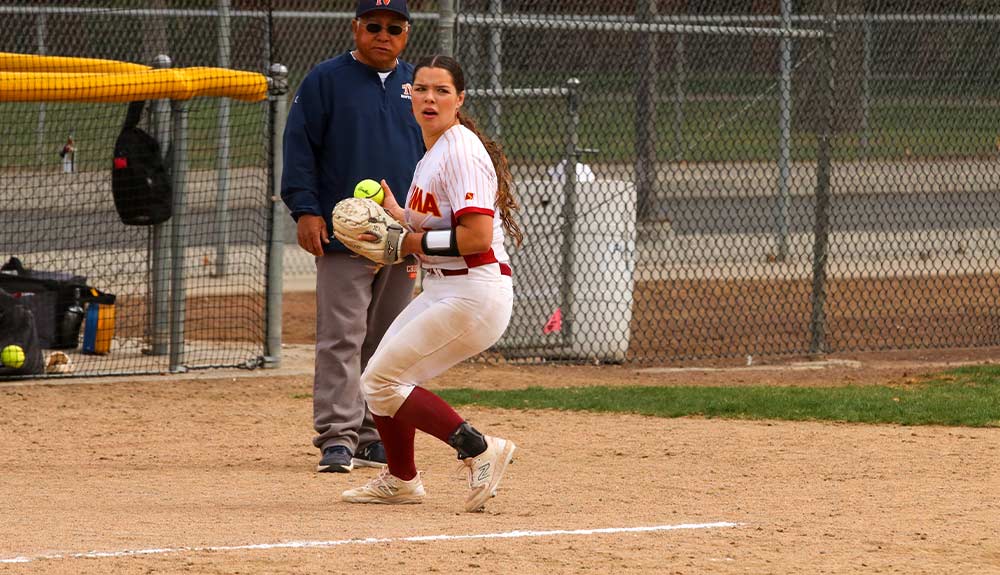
[95,126]
[963,397]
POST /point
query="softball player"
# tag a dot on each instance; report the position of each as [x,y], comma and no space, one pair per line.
[458,206]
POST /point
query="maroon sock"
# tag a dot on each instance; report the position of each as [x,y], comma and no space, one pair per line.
[397,438]
[429,413]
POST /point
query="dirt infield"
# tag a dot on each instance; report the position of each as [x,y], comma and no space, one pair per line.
[213,473]
[166,464]
[717,317]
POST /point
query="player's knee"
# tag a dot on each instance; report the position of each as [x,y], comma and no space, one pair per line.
[383,396]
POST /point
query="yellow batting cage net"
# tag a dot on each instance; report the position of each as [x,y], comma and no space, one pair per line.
[29,78]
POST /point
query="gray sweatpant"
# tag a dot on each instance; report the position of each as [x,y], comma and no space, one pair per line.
[354,308]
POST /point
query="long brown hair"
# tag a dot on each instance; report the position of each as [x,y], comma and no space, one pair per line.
[506,202]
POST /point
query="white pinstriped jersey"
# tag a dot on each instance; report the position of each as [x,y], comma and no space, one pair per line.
[455,177]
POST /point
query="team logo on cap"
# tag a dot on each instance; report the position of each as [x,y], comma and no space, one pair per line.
[382,2]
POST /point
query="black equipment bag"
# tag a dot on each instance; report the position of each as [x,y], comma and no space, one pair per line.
[140,182]
[17,327]
[54,298]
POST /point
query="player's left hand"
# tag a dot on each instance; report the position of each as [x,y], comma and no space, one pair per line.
[368,230]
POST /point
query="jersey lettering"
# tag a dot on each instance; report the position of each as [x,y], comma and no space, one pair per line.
[431,205]
[416,200]
[424,203]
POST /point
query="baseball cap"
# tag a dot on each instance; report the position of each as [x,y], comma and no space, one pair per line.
[397,6]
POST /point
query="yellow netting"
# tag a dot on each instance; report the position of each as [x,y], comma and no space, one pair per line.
[32,63]
[28,78]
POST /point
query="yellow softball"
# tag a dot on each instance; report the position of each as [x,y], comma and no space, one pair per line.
[369,189]
[12,356]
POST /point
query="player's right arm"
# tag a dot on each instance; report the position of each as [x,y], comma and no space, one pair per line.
[390,204]
[304,134]
[472,235]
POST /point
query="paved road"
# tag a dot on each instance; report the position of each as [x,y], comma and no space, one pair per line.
[32,231]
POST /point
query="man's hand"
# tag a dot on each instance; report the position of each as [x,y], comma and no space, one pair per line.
[312,234]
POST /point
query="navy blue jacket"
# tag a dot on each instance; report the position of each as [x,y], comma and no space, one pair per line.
[343,127]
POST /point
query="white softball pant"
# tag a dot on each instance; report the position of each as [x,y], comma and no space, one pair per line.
[453,319]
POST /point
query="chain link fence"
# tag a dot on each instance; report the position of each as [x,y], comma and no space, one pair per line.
[807,178]
[188,293]
[698,179]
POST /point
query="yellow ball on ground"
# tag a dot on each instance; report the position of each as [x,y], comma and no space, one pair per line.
[12,356]
[369,189]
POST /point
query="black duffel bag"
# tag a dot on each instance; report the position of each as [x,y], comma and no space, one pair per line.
[17,327]
[54,299]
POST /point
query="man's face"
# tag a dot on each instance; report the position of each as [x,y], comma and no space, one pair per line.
[380,48]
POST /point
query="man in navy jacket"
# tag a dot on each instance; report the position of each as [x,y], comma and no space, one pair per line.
[351,120]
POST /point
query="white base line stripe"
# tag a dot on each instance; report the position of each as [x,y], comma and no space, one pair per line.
[369,541]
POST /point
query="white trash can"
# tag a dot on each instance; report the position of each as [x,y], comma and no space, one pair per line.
[592,290]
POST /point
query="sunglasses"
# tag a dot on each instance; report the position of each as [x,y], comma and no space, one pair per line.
[392,29]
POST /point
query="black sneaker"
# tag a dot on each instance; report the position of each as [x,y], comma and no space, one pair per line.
[336,459]
[371,455]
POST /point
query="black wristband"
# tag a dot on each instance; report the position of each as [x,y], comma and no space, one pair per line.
[439,244]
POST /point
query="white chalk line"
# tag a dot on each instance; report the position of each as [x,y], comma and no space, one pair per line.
[366,541]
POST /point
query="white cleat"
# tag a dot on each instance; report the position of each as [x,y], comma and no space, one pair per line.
[486,470]
[388,489]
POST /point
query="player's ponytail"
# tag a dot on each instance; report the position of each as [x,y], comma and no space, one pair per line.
[506,203]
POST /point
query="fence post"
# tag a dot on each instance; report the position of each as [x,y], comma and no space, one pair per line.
[276,244]
[446,26]
[569,210]
[645,112]
[159,300]
[495,52]
[42,32]
[178,295]
[866,89]
[821,223]
[784,128]
[679,72]
[222,168]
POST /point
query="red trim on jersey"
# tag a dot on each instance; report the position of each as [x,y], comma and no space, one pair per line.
[504,271]
[480,259]
[474,210]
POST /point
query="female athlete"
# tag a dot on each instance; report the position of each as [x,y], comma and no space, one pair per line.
[458,207]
